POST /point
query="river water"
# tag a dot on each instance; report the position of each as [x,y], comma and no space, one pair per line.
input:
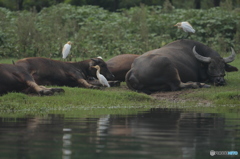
[158,133]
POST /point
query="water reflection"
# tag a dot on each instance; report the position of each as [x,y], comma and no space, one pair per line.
[157,133]
[67,143]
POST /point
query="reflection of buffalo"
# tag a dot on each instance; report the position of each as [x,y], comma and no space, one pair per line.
[120,65]
[163,133]
[158,133]
[180,61]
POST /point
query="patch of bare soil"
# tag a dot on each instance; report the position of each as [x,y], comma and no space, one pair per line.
[178,96]
[171,95]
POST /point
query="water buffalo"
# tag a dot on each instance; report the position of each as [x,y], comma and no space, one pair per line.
[120,65]
[16,79]
[181,61]
[52,72]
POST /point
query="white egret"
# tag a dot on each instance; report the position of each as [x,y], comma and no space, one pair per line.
[100,57]
[66,49]
[100,77]
[185,26]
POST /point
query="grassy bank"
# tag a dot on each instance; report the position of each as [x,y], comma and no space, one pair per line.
[225,95]
[81,101]
[73,99]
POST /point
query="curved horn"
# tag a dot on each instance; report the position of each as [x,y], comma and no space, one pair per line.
[201,58]
[231,57]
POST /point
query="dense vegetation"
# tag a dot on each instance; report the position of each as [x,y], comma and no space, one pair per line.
[115,5]
[95,31]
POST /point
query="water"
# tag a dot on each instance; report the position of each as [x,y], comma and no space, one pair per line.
[153,134]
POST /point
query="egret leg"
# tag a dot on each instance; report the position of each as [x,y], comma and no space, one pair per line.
[187,35]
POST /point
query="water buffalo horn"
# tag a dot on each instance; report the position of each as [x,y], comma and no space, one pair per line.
[231,57]
[201,58]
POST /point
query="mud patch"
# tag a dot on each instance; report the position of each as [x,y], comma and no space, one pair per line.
[179,96]
[173,95]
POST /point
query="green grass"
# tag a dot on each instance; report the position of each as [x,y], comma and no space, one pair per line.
[224,95]
[74,99]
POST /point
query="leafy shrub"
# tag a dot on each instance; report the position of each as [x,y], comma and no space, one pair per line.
[95,31]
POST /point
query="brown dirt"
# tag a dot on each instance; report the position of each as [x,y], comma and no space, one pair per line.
[178,96]
[173,95]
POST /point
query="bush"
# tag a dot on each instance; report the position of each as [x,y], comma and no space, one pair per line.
[95,31]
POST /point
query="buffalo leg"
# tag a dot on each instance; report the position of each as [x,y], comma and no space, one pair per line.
[193,85]
[59,90]
[41,90]
[80,80]
[84,83]
[111,83]
[131,81]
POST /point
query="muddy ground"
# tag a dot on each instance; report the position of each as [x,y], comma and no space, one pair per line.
[179,96]
[173,95]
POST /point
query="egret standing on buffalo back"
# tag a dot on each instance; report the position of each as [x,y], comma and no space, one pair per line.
[186,27]
[66,49]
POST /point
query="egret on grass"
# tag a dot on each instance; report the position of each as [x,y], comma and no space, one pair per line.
[186,27]
[100,77]
[66,49]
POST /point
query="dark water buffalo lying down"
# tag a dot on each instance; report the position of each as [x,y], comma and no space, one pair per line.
[74,74]
[17,79]
[120,65]
[169,67]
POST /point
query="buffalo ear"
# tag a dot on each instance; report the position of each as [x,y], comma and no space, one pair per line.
[230,68]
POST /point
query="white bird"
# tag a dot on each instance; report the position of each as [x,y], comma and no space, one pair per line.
[185,26]
[100,57]
[66,49]
[100,77]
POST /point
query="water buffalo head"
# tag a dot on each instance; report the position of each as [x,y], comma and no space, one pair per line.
[103,68]
[216,66]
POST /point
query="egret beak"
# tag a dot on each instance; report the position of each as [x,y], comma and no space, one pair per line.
[178,24]
[95,67]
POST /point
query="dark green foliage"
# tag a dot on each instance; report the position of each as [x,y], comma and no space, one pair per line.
[95,31]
